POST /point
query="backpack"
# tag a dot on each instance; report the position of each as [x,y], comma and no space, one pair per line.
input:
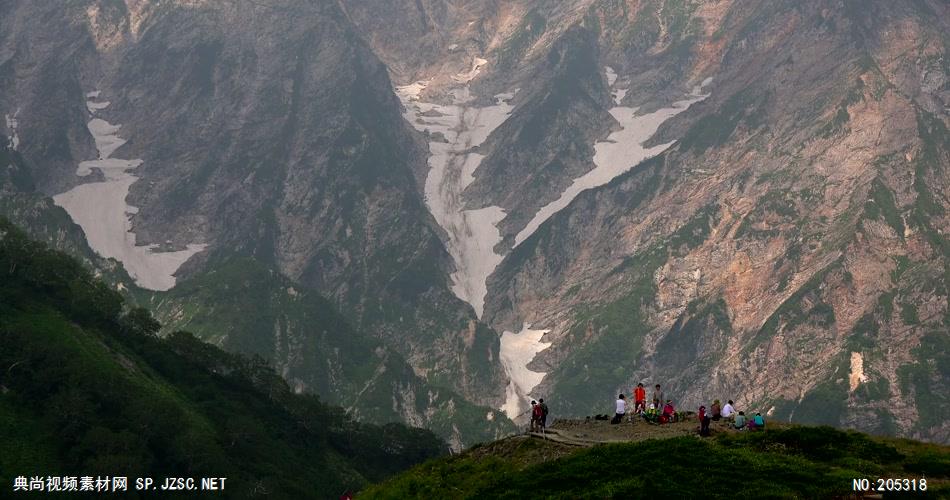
[537,412]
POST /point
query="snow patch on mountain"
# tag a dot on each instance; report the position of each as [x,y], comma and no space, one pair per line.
[102,212]
[516,351]
[93,106]
[455,131]
[621,151]
[106,136]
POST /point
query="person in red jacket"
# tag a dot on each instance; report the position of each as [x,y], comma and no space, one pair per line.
[536,412]
[704,419]
[640,397]
[668,411]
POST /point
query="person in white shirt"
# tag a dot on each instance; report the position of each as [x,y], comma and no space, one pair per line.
[728,411]
[621,409]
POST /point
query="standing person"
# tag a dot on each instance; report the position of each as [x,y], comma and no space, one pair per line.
[657,397]
[715,410]
[535,415]
[640,397]
[544,414]
[728,411]
[704,419]
[621,409]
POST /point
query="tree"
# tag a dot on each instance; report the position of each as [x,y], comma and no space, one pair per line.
[139,321]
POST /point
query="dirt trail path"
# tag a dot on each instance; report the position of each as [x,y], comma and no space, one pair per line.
[592,432]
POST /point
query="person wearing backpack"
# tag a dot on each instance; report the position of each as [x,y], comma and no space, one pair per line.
[535,416]
[544,413]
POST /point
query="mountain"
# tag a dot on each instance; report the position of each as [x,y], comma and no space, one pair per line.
[792,462]
[486,202]
[786,250]
[286,101]
[87,386]
[735,199]
[321,352]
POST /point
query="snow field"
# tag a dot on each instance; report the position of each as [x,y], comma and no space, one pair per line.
[516,351]
[621,151]
[102,212]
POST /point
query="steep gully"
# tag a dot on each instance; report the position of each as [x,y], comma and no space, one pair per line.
[455,131]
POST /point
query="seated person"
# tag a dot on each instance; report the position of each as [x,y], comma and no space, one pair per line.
[715,411]
[668,408]
[668,413]
[740,421]
[728,411]
[651,414]
[758,422]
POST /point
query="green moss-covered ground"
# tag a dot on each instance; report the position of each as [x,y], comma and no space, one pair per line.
[790,462]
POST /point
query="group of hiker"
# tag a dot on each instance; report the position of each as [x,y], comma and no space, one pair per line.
[728,412]
[539,415]
[662,411]
[659,410]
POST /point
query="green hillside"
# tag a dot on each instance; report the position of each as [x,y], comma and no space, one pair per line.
[245,307]
[789,462]
[87,388]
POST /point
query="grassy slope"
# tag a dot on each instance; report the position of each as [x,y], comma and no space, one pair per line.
[794,462]
[86,388]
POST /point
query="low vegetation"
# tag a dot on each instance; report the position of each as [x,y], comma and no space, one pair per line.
[791,462]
